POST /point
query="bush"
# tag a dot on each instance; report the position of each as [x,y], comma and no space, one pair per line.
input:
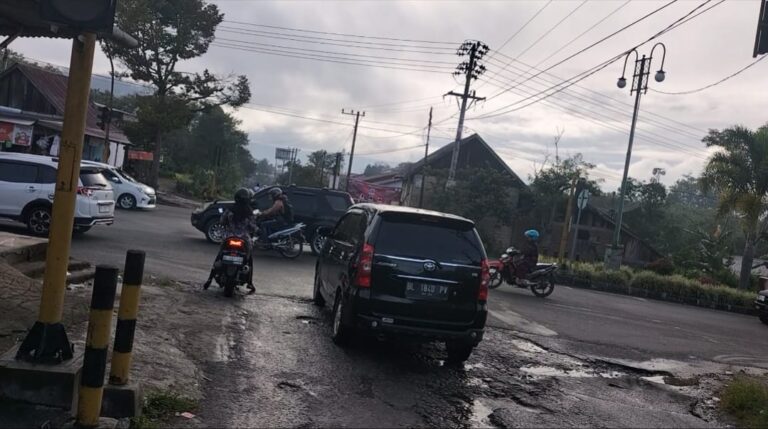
[663,266]
[746,399]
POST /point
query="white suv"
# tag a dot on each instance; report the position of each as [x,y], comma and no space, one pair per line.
[27,186]
[129,192]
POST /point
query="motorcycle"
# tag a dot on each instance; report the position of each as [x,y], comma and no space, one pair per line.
[289,242]
[233,268]
[503,270]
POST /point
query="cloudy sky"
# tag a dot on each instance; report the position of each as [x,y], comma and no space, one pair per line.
[393,59]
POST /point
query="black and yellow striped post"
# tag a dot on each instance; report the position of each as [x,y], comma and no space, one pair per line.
[126,318]
[97,346]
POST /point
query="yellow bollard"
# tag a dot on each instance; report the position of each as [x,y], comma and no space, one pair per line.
[96,346]
[126,318]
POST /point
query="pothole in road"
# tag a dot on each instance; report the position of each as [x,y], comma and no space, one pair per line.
[549,371]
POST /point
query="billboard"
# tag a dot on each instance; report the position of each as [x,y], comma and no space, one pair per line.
[364,192]
[283,154]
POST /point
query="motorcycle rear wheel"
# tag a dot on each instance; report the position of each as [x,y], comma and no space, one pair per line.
[229,287]
[292,248]
[544,287]
[496,280]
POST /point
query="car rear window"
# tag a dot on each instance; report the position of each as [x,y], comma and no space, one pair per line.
[338,203]
[91,177]
[425,237]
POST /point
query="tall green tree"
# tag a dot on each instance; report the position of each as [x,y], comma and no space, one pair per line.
[739,174]
[170,32]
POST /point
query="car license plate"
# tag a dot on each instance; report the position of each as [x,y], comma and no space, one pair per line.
[426,291]
[232,259]
[104,209]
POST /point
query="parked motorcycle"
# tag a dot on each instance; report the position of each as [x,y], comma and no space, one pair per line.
[233,268]
[503,270]
[289,242]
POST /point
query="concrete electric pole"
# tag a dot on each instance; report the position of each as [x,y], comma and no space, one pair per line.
[639,86]
[354,139]
[472,69]
[424,168]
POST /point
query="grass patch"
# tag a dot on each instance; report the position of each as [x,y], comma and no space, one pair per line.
[159,406]
[746,399]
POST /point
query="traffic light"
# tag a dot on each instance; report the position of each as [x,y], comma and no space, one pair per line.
[105,117]
[761,39]
[94,16]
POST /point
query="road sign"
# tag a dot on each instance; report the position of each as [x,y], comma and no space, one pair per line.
[582,199]
[282,154]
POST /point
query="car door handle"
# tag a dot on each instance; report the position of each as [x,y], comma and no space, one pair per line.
[31,188]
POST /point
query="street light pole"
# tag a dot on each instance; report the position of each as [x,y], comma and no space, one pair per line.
[639,87]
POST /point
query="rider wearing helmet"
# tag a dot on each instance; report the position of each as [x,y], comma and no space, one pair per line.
[530,252]
[238,221]
[276,217]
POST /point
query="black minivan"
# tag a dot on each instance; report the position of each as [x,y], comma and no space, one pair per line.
[405,272]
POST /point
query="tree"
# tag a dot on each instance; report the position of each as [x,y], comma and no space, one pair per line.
[376,169]
[551,185]
[688,192]
[739,174]
[169,32]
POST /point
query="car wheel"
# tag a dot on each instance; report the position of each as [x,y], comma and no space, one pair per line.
[126,202]
[214,231]
[342,333]
[317,296]
[764,318]
[82,229]
[458,352]
[318,240]
[39,220]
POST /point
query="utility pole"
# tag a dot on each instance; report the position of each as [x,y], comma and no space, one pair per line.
[354,139]
[337,170]
[424,167]
[639,86]
[472,69]
[108,125]
[566,223]
[291,165]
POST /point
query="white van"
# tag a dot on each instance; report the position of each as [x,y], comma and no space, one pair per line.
[129,192]
[27,186]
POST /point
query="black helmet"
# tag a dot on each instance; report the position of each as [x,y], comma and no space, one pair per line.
[275,193]
[243,195]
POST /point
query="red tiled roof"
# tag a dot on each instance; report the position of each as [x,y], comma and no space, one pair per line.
[53,86]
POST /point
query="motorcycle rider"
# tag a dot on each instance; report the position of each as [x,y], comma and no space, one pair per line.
[276,217]
[240,222]
[530,257]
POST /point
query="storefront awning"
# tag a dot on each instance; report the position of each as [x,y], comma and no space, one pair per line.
[115,136]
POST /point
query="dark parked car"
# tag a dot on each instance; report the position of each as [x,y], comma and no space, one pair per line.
[405,272]
[317,208]
[761,303]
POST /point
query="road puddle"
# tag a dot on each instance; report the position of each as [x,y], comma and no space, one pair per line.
[480,414]
[549,371]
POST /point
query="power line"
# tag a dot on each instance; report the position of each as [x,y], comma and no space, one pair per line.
[617,100]
[589,72]
[322,58]
[732,75]
[337,42]
[425,63]
[646,16]
[603,106]
[510,38]
[380,152]
[340,34]
[546,33]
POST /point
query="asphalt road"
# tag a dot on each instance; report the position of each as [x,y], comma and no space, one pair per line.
[591,322]
[267,360]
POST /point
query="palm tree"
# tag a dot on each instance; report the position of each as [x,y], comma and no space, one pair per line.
[739,173]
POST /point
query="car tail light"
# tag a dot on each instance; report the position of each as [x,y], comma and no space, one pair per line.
[235,243]
[485,278]
[82,190]
[364,266]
